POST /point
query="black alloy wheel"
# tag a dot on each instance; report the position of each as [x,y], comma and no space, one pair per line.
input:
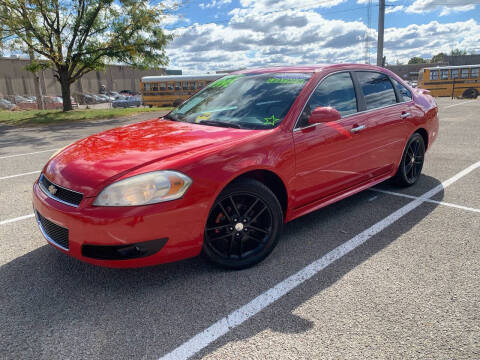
[412,161]
[243,226]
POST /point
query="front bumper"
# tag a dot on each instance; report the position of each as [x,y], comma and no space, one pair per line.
[124,236]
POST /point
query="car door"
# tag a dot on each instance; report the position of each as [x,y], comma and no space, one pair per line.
[329,156]
[385,115]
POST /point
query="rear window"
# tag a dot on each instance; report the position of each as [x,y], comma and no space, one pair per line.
[403,93]
[377,89]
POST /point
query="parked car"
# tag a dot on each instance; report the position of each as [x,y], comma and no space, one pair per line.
[74,103]
[128,92]
[6,105]
[24,103]
[86,99]
[53,102]
[224,171]
[127,101]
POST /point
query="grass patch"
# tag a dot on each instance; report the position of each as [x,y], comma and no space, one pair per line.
[32,117]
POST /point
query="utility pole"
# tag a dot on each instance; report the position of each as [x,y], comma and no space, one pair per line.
[381,25]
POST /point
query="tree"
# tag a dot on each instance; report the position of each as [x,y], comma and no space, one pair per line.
[438,58]
[74,37]
[458,52]
[417,60]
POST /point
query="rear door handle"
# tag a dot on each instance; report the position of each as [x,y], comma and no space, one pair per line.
[405,115]
[357,128]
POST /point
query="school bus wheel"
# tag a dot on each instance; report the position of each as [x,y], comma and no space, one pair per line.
[470,93]
[177,102]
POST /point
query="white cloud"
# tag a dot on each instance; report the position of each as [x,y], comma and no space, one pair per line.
[305,37]
[447,6]
[214,4]
[263,6]
[392,9]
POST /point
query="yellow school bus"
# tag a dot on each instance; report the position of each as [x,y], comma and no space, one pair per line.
[456,81]
[172,90]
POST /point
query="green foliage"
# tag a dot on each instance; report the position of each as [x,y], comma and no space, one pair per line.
[458,52]
[38,117]
[417,60]
[438,58]
[77,36]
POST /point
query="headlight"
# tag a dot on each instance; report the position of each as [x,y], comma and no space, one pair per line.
[149,188]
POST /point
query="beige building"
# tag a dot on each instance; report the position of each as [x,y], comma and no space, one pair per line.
[15,80]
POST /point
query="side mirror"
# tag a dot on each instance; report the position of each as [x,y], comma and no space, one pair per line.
[323,114]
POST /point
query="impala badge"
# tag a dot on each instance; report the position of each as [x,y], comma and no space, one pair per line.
[52,189]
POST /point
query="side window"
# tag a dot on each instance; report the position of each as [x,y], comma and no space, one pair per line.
[336,91]
[444,74]
[433,74]
[474,73]
[464,73]
[377,89]
[454,73]
[403,92]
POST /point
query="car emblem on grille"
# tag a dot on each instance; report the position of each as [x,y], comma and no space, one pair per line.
[52,189]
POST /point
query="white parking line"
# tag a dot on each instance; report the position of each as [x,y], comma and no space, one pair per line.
[239,316]
[17,175]
[449,106]
[428,200]
[17,219]
[24,154]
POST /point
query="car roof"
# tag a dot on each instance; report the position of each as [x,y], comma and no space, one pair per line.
[309,68]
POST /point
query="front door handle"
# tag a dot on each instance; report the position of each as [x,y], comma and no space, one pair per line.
[357,128]
[405,115]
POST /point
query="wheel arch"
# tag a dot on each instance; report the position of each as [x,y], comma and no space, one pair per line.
[271,180]
[424,135]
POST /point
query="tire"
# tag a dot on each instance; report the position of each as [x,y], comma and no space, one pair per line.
[411,164]
[243,226]
[470,93]
[177,102]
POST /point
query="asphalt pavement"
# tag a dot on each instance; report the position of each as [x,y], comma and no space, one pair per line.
[408,289]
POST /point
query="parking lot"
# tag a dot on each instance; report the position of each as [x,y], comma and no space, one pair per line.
[386,274]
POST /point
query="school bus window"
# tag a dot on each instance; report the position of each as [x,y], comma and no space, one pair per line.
[192,85]
[163,86]
[464,73]
[184,85]
[177,86]
[200,84]
[475,72]
[170,86]
[146,87]
[155,87]
[433,74]
[444,74]
[454,73]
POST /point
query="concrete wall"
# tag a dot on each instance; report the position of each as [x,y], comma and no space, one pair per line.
[15,80]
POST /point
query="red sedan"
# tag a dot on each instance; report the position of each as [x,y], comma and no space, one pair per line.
[226,169]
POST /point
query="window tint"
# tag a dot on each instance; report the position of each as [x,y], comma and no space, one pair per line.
[377,89]
[433,74]
[336,91]
[403,92]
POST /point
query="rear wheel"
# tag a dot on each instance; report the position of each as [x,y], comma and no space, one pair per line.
[470,93]
[243,226]
[411,165]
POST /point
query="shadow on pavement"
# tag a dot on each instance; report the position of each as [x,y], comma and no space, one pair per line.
[55,307]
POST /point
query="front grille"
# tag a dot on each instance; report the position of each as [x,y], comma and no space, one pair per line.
[66,196]
[53,232]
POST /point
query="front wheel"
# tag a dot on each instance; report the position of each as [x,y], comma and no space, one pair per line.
[243,226]
[411,164]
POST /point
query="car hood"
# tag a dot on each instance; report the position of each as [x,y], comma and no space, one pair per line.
[90,164]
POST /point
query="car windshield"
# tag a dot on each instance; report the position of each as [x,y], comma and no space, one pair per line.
[250,101]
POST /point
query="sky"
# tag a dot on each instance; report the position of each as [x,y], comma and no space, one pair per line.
[215,35]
